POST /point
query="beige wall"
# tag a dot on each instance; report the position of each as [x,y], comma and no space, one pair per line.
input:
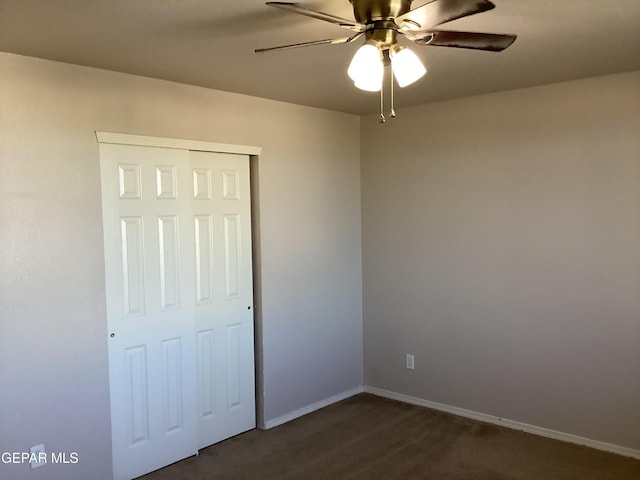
[53,338]
[501,246]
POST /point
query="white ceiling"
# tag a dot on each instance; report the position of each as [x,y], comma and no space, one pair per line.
[211,42]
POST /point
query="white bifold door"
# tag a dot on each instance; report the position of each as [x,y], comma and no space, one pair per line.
[177,232]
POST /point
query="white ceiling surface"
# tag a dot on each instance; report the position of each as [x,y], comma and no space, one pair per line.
[211,43]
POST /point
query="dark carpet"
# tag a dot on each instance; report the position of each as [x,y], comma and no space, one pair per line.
[367,438]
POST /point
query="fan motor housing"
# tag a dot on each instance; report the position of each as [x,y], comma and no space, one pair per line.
[384,33]
[368,11]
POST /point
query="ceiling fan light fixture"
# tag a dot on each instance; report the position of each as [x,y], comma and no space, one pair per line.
[407,67]
[381,22]
[366,69]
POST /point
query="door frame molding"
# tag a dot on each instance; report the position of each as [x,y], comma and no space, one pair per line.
[146,141]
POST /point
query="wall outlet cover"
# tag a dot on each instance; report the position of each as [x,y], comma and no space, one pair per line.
[410,361]
[38,457]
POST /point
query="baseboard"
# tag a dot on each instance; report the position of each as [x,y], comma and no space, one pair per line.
[505,422]
[274,422]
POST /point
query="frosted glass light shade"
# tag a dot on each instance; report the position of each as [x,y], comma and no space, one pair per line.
[406,66]
[366,69]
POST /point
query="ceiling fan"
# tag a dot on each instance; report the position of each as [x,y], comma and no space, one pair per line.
[382,21]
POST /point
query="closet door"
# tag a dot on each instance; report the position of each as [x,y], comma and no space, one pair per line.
[162,274]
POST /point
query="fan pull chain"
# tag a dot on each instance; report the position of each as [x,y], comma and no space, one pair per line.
[392,114]
[382,119]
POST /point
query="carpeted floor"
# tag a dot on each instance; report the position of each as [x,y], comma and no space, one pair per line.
[367,438]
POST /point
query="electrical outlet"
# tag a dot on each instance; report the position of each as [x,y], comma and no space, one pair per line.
[38,456]
[410,361]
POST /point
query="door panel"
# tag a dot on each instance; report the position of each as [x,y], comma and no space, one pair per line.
[152,350]
[224,310]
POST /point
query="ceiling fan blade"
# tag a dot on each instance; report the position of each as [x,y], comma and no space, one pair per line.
[493,42]
[438,12]
[327,17]
[328,41]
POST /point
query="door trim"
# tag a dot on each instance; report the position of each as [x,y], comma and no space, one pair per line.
[146,141]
